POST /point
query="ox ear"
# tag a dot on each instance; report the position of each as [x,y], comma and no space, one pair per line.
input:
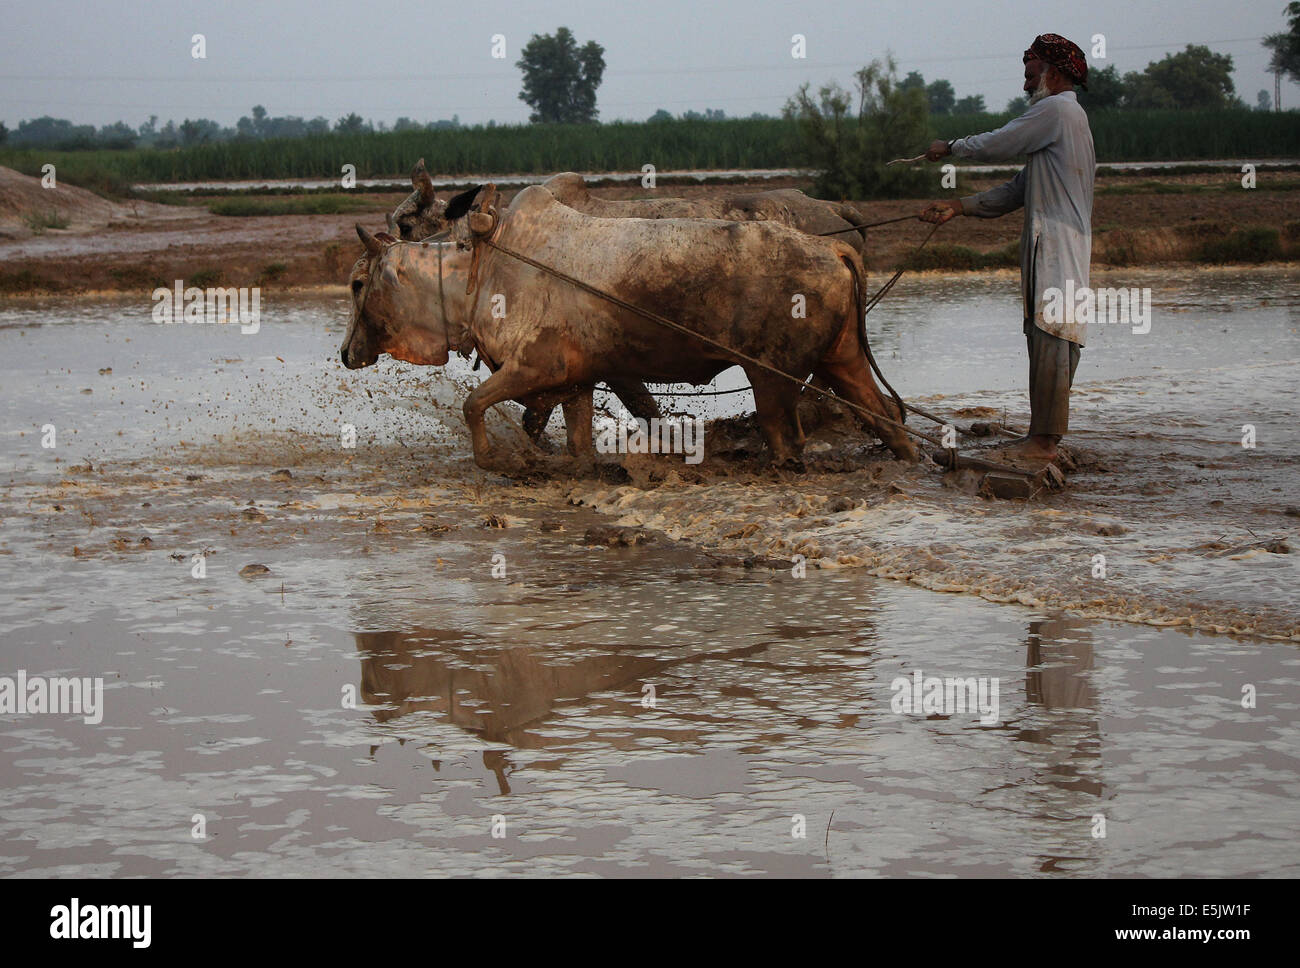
[372,244]
[421,181]
[385,238]
[459,205]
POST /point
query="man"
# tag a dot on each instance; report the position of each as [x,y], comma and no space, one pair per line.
[1055,190]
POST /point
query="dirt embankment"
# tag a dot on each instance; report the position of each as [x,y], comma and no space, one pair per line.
[66,239]
[29,208]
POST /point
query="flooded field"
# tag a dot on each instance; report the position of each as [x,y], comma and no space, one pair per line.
[430,655]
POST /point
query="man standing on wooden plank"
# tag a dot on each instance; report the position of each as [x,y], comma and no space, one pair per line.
[1055,190]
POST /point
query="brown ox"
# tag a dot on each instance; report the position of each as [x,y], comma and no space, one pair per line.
[423,214]
[737,283]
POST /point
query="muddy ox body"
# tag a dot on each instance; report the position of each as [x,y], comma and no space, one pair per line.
[789,206]
[735,283]
[422,213]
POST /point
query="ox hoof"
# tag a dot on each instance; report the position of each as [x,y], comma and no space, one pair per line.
[505,465]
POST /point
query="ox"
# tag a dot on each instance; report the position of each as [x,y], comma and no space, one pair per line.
[423,214]
[733,282]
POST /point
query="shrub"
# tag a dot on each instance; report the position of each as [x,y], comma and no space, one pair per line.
[38,222]
[851,151]
[1254,244]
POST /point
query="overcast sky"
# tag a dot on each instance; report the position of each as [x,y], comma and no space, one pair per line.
[98,62]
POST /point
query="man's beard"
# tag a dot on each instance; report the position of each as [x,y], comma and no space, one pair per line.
[1040,92]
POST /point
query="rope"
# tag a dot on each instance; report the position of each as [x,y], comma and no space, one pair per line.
[870,225]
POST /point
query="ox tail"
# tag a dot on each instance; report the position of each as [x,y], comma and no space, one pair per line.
[850,257]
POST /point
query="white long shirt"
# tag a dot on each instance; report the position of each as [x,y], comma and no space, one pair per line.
[1055,189]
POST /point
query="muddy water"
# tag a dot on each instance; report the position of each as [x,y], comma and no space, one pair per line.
[434,650]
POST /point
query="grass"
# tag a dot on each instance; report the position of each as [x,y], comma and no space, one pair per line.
[1255,243]
[1168,135]
[944,256]
[205,278]
[38,222]
[272,272]
[1233,184]
[25,281]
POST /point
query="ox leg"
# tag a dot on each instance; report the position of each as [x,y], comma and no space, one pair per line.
[636,398]
[776,401]
[504,384]
[535,421]
[578,414]
[849,374]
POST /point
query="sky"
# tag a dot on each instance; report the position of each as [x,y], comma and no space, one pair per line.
[100,62]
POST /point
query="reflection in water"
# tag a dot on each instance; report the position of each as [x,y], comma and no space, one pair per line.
[494,692]
[1059,661]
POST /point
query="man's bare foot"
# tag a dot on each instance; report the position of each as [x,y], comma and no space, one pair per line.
[1037,447]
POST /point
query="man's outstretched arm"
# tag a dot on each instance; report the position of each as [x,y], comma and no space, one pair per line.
[999,200]
[1032,131]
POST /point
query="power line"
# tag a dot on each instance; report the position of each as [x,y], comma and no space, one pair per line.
[484,75]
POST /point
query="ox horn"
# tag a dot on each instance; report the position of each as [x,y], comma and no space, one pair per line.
[372,244]
[392,224]
[459,205]
[422,182]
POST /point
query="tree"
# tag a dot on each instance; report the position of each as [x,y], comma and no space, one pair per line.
[560,78]
[1193,78]
[974,104]
[117,135]
[1018,105]
[4,133]
[48,132]
[1106,90]
[851,148]
[941,97]
[912,80]
[1263,101]
[199,131]
[351,124]
[660,115]
[168,136]
[1285,48]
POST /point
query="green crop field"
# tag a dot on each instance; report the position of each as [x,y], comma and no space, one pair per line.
[755,143]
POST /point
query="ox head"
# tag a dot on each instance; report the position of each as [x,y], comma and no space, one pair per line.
[423,214]
[397,305]
[389,314]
